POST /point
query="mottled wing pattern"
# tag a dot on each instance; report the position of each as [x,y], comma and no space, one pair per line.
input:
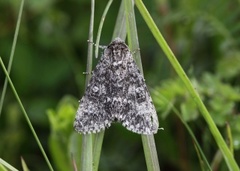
[140,114]
[93,114]
[116,91]
[134,108]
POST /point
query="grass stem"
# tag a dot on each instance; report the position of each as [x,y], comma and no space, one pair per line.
[232,165]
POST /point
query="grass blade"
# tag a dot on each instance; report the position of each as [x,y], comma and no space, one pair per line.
[87,151]
[11,55]
[150,153]
[148,141]
[119,31]
[26,116]
[232,165]
[86,158]
[7,165]
[120,25]
[24,165]
[97,147]
[100,26]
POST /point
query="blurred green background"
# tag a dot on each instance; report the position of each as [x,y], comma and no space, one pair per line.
[50,58]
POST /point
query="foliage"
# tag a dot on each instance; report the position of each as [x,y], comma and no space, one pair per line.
[51,56]
[63,142]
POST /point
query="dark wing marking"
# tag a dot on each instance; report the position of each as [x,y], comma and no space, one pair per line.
[93,114]
[116,90]
[138,114]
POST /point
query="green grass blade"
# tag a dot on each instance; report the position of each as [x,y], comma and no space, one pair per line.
[7,165]
[230,138]
[101,25]
[150,153]
[2,168]
[202,158]
[11,55]
[97,147]
[199,151]
[148,141]
[24,165]
[86,158]
[232,165]
[87,143]
[120,25]
[26,116]
[132,33]
[90,45]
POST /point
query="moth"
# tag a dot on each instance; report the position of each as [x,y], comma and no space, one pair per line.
[116,92]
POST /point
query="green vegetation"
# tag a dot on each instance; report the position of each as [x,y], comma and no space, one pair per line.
[51,54]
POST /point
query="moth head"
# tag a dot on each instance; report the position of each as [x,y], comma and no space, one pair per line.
[117,50]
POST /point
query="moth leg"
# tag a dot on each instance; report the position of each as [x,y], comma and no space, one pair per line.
[87,73]
[135,51]
[98,46]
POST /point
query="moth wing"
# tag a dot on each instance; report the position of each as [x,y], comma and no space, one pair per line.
[138,114]
[93,113]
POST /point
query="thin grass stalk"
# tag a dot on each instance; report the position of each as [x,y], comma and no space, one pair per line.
[230,138]
[232,165]
[87,151]
[101,26]
[24,165]
[148,141]
[12,54]
[26,116]
[97,148]
[90,45]
[119,31]
[200,158]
